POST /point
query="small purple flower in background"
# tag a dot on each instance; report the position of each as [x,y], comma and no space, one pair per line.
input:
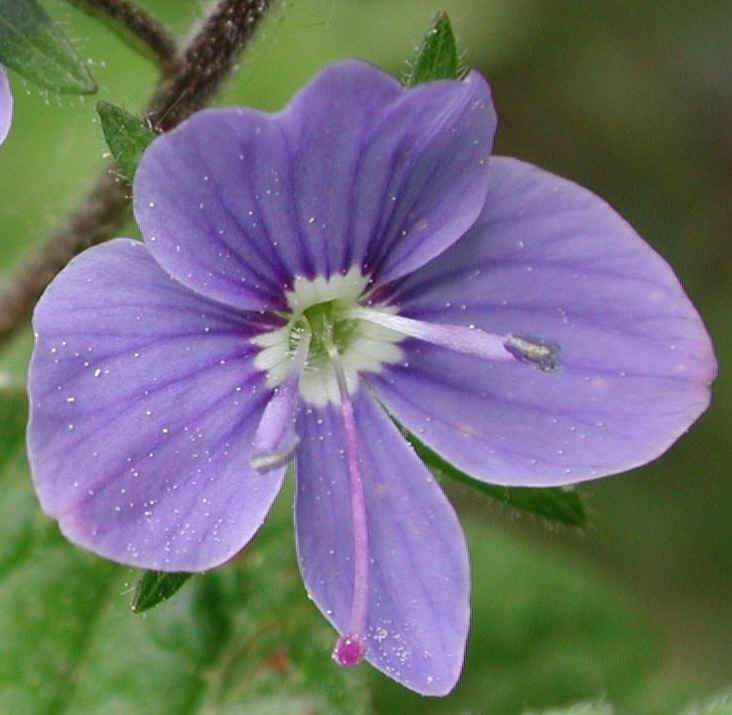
[305,277]
[6,105]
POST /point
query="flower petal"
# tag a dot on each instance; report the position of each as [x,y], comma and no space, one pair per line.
[144,404]
[549,260]
[236,203]
[418,608]
[6,105]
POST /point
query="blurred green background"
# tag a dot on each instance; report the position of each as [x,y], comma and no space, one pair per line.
[632,99]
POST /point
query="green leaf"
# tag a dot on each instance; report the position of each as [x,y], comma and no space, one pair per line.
[33,45]
[437,57]
[127,136]
[154,587]
[555,504]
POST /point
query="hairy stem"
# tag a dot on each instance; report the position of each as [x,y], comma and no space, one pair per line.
[204,63]
[147,29]
[207,61]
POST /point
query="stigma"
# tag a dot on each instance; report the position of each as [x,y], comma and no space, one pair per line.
[349,650]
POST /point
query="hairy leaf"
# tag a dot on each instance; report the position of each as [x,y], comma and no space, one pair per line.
[32,44]
[127,136]
[437,56]
[154,587]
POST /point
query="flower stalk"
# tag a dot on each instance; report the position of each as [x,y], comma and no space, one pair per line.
[189,85]
[148,30]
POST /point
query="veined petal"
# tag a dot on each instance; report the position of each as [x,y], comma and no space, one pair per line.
[391,179]
[6,105]
[144,404]
[357,170]
[549,260]
[418,580]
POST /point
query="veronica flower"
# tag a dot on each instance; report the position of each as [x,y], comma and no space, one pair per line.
[309,275]
[6,105]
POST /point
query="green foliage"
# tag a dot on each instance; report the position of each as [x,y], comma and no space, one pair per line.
[718,705]
[243,639]
[563,506]
[154,587]
[582,709]
[13,418]
[544,633]
[127,136]
[33,45]
[437,56]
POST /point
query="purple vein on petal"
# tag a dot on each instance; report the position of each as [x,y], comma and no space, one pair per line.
[105,483]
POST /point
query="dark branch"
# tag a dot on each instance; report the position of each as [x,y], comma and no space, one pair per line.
[206,62]
[148,30]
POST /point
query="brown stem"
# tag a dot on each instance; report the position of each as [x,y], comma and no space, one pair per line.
[147,29]
[205,63]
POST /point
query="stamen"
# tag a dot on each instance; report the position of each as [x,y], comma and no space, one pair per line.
[468,340]
[462,339]
[276,439]
[350,649]
[538,353]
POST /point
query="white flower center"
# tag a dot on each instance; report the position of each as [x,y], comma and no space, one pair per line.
[324,305]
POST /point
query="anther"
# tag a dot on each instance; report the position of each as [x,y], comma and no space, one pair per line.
[276,439]
[538,353]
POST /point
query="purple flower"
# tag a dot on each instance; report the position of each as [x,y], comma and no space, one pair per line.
[306,276]
[6,105]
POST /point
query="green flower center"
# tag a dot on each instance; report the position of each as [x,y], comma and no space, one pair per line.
[329,329]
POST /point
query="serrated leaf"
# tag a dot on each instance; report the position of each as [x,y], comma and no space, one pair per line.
[555,504]
[154,587]
[437,56]
[34,46]
[127,136]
